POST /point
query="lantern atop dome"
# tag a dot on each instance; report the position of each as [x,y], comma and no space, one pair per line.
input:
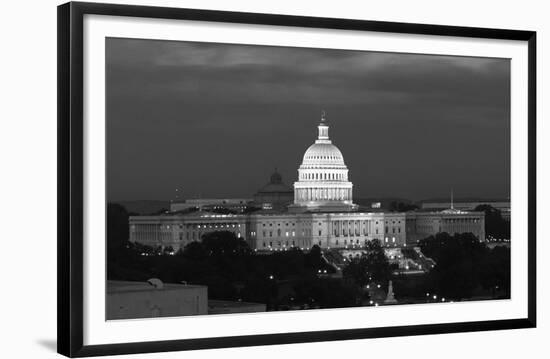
[323,128]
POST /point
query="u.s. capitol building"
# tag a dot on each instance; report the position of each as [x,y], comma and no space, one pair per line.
[319,210]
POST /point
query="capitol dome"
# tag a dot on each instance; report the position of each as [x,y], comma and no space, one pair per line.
[323,154]
[323,177]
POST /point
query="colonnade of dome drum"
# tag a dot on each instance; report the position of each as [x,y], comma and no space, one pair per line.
[323,176]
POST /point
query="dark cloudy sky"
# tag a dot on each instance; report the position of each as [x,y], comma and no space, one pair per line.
[215,119]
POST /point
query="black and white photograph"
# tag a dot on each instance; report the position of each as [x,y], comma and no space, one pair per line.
[247,178]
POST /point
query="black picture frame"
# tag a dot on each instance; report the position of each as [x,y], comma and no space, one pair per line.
[70,177]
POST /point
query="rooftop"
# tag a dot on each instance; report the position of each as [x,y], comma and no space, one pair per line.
[119,286]
[465,199]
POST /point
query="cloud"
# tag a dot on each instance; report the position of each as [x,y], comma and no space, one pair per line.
[240,74]
[166,98]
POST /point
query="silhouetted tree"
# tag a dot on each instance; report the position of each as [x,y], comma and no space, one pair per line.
[460,263]
[372,266]
[313,258]
[396,206]
[495,225]
[194,250]
[496,272]
[327,293]
[224,242]
[377,264]
[357,271]
[117,226]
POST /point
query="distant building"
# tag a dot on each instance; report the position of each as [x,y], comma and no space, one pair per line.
[322,213]
[503,205]
[275,195]
[129,300]
[234,204]
[177,230]
[420,225]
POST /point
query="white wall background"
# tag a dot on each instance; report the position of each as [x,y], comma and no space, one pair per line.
[28,176]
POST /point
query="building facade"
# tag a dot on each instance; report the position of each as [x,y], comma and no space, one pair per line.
[130,300]
[266,230]
[503,205]
[322,213]
[235,204]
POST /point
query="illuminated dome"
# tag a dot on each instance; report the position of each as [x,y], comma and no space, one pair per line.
[323,177]
[323,154]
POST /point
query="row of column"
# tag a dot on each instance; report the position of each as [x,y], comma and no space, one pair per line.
[331,194]
[351,228]
[145,232]
[323,176]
